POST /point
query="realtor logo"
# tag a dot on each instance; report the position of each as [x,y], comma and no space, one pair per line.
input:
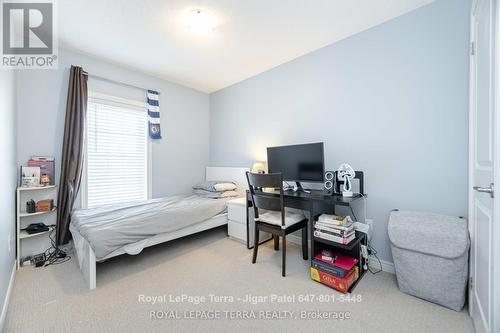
[28,34]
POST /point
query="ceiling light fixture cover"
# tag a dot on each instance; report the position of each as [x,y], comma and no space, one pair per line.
[200,22]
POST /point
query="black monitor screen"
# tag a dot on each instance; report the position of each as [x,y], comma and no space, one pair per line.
[297,162]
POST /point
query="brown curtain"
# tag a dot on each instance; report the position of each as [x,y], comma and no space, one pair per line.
[72,152]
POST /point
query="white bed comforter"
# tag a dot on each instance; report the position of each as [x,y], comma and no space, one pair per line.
[111,227]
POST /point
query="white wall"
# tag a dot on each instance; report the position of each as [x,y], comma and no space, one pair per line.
[392,101]
[184,118]
[8,170]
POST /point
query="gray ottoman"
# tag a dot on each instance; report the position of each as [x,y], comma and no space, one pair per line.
[431,254]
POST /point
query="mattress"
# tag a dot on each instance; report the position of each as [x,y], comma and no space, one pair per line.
[137,247]
[111,227]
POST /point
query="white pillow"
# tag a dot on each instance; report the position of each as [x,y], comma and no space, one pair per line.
[222,187]
[228,194]
[216,195]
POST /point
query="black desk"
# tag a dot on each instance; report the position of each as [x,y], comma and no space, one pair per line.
[316,203]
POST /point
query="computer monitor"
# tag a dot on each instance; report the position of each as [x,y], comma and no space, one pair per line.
[298,163]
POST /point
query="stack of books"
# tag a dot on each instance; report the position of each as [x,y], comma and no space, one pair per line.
[335,228]
[334,270]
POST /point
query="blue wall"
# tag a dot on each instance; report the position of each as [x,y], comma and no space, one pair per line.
[184,117]
[8,170]
[41,109]
[392,101]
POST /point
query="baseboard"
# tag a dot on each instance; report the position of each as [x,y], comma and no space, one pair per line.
[387,266]
[7,297]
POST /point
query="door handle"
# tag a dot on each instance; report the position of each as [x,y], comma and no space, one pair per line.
[490,189]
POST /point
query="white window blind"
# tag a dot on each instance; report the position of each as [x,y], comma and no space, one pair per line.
[117,161]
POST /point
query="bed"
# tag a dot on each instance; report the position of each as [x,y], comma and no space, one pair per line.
[103,233]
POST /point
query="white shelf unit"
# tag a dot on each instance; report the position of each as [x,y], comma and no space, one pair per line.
[24,194]
[35,188]
[23,234]
[24,214]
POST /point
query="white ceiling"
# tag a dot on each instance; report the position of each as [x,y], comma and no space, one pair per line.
[251,36]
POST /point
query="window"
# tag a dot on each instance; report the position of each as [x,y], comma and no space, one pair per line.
[117,168]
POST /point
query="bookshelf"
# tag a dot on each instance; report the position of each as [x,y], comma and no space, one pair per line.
[23,219]
[36,188]
[23,234]
[352,249]
[24,214]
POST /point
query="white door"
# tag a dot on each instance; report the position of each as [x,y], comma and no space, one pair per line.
[482,164]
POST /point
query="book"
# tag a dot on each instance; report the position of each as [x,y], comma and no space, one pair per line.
[347,227]
[335,232]
[47,168]
[346,236]
[344,262]
[333,238]
[329,268]
[340,284]
[336,239]
[30,176]
[332,217]
[335,219]
[44,158]
[332,222]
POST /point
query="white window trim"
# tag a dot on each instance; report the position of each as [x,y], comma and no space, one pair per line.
[95,96]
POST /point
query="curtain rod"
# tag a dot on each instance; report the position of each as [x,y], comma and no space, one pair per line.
[114,81]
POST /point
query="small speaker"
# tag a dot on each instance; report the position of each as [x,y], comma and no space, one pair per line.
[328,182]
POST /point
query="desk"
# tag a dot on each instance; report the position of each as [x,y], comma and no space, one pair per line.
[316,203]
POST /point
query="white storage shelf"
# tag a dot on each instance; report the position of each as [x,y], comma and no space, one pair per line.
[23,234]
[24,214]
[35,188]
[24,194]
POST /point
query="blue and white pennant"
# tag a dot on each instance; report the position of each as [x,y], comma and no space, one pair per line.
[154,114]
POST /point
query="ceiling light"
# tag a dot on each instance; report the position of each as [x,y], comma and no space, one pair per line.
[200,22]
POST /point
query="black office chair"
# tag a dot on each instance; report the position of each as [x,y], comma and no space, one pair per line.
[275,220]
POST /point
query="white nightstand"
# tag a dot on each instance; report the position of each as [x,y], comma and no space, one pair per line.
[237,225]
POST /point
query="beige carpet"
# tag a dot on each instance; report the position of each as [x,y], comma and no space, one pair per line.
[54,299]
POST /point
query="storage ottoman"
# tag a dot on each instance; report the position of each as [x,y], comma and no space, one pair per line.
[431,254]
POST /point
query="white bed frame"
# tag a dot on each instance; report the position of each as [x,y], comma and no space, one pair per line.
[86,256]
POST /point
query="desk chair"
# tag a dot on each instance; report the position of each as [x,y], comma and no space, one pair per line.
[276,220]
